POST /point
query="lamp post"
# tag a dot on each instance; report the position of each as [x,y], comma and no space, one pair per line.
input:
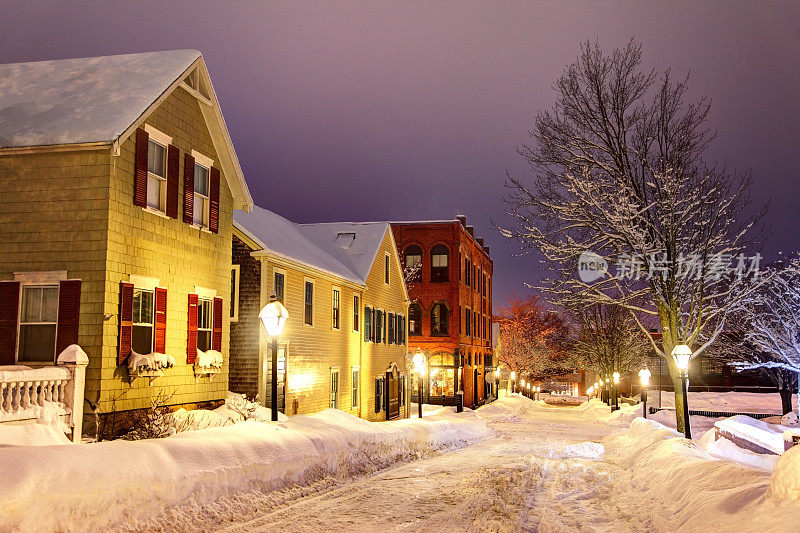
[644,375]
[273,317]
[512,377]
[682,355]
[419,366]
[497,382]
[616,392]
[529,389]
[522,385]
[602,390]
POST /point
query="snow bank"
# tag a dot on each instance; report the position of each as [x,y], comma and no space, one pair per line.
[785,481]
[741,402]
[106,484]
[31,435]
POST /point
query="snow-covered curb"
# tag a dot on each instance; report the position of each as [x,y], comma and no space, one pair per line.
[96,486]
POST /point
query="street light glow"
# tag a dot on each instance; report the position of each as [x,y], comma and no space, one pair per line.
[419,362]
[616,377]
[273,316]
[644,375]
[682,355]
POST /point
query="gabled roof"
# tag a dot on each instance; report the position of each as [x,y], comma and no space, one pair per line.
[102,100]
[344,249]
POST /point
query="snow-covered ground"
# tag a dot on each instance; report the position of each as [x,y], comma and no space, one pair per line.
[738,402]
[513,465]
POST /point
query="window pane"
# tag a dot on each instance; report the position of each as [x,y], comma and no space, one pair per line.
[49,304]
[142,307]
[31,304]
[204,314]
[156,157]
[413,260]
[142,341]
[279,286]
[37,342]
[154,192]
[204,340]
[201,180]
[199,210]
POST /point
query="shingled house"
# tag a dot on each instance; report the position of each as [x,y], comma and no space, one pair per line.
[118,180]
[344,344]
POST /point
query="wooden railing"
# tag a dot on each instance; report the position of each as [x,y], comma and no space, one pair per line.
[27,393]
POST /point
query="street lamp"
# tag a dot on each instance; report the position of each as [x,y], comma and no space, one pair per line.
[615,376]
[419,366]
[273,317]
[682,355]
[644,375]
[512,377]
[529,389]
[497,382]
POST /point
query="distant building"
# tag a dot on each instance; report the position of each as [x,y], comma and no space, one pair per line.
[344,344]
[450,314]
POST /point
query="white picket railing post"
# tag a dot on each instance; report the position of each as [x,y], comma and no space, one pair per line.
[74,358]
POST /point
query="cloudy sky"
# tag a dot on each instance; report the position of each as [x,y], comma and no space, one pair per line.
[412,110]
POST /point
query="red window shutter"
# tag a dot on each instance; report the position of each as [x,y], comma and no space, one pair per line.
[9,312]
[188,188]
[191,332]
[140,174]
[160,344]
[125,320]
[69,309]
[173,171]
[213,209]
[216,333]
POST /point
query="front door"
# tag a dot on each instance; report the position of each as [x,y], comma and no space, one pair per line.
[392,396]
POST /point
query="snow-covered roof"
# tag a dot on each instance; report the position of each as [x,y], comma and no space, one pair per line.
[83,100]
[344,249]
[102,100]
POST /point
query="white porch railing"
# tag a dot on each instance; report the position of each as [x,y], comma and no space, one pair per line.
[31,394]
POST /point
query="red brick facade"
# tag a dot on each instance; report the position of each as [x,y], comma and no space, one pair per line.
[464,289]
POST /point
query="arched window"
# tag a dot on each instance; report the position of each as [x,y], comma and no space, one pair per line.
[414,320]
[413,263]
[439,320]
[439,263]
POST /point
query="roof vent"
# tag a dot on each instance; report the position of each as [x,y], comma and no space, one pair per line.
[471,230]
[345,239]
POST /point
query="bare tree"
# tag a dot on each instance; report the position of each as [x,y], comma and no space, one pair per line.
[769,327]
[608,340]
[617,170]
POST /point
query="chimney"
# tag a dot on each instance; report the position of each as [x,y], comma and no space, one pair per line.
[462,219]
[471,231]
[486,248]
[480,241]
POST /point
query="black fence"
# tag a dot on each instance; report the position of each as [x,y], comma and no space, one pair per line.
[717,414]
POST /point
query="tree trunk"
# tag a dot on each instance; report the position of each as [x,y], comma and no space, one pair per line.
[679,399]
[786,398]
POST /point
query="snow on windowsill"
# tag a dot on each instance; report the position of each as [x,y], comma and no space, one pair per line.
[150,365]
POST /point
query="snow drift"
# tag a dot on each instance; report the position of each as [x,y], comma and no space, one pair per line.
[97,486]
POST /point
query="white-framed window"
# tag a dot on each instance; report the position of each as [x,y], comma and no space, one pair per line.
[37,324]
[202,187]
[356,312]
[157,144]
[336,296]
[355,378]
[308,302]
[143,320]
[205,311]
[279,283]
[235,271]
[334,403]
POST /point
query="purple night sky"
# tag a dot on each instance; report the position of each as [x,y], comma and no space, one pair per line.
[412,110]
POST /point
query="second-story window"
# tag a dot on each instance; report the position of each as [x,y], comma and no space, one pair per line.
[335,309]
[156,176]
[413,263]
[439,321]
[309,303]
[279,284]
[204,323]
[467,322]
[201,188]
[439,263]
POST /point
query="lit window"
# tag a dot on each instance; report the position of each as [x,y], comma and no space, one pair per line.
[156,175]
[201,178]
[37,328]
[204,311]
[414,320]
[439,322]
[439,263]
[142,341]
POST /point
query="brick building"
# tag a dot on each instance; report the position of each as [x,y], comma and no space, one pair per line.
[450,315]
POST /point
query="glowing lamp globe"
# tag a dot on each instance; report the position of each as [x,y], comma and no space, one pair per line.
[419,362]
[273,317]
[589,391]
[497,373]
[522,382]
[644,375]
[529,386]
[682,355]
[512,375]
[616,377]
